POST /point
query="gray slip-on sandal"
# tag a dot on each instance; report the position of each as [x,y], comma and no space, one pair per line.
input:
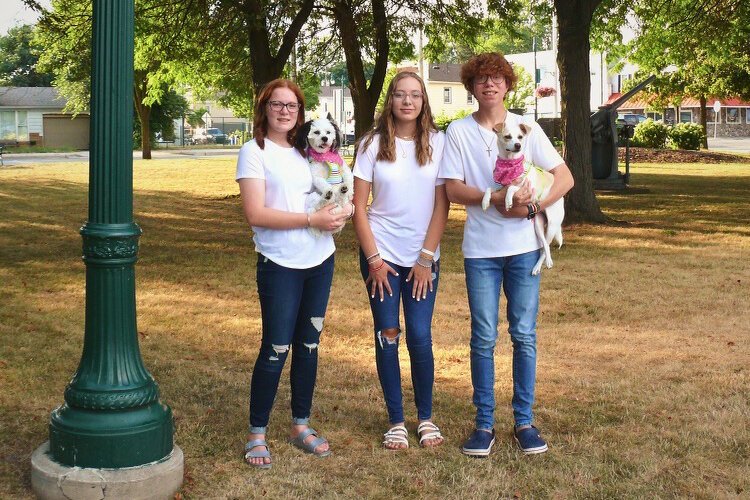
[299,442]
[249,453]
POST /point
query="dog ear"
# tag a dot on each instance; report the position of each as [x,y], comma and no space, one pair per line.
[526,129]
[337,140]
[498,127]
[301,142]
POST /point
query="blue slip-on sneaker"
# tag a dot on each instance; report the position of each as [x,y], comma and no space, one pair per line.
[530,440]
[479,443]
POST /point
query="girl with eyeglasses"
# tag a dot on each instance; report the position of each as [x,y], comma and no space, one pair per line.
[294,268]
[399,239]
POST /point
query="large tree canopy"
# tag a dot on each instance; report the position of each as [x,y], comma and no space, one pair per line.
[65,33]
[18,60]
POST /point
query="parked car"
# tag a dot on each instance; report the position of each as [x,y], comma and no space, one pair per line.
[209,136]
[632,119]
[218,136]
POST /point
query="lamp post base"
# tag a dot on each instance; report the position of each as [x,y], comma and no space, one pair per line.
[53,481]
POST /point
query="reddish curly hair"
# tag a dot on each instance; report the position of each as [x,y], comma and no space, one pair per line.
[491,64]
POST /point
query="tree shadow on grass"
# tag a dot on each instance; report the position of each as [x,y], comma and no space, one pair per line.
[199,332]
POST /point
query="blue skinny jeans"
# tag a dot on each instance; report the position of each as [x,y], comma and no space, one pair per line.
[418,318]
[293,304]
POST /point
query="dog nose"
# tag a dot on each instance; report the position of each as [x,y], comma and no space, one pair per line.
[324,138]
[517,147]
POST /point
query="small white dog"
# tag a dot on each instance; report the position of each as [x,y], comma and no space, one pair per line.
[511,170]
[333,181]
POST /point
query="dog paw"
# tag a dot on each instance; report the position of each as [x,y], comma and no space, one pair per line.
[344,189]
[486,201]
[328,194]
[537,269]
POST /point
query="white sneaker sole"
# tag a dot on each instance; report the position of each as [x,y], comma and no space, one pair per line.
[533,451]
[473,452]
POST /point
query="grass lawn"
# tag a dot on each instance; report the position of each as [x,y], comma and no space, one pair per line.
[643,375]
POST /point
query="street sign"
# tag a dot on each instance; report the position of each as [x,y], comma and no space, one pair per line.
[717,107]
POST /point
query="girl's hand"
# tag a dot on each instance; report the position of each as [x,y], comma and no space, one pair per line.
[378,280]
[329,218]
[422,281]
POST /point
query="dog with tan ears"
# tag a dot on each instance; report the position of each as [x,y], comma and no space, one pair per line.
[512,171]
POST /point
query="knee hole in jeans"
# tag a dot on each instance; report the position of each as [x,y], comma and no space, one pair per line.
[388,336]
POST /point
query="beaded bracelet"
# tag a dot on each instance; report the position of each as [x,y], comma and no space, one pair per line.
[424,262]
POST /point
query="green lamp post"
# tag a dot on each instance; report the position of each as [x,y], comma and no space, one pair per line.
[112,416]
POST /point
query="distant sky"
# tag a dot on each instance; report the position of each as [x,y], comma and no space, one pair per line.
[15,13]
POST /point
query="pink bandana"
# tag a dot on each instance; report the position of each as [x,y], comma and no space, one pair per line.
[506,171]
[329,156]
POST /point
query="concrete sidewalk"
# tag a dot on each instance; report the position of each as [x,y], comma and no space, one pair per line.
[729,144]
[159,154]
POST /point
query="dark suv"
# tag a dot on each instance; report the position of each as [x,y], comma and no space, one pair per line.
[218,136]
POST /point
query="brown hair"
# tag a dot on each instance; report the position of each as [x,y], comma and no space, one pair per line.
[260,121]
[386,127]
[490,64]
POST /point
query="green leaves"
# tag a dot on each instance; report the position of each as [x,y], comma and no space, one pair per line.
[18,60]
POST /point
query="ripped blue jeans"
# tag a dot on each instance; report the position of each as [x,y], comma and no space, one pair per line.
[418,319]
[293,304]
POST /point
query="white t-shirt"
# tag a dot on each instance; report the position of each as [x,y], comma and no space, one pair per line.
[288,182]
[403,197]
[488,233]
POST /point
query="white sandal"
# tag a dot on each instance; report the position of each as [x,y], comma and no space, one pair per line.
[396,435]
[428,430]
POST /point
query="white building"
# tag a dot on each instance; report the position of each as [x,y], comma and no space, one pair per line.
[337,102]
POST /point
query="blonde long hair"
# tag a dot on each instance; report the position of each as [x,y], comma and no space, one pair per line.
[386,127]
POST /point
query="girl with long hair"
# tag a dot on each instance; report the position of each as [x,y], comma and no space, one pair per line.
[399,239]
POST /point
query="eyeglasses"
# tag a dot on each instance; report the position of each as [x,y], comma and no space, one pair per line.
[401,95]
[496,79]
[292,107]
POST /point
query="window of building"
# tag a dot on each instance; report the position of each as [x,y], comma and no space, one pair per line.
[686,115]
[8,125]
[733,115]
[654,116]
[447,95]
[469,98]
[711,116]
[22,126]
[747,115]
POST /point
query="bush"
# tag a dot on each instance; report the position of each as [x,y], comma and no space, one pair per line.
[650,134]
[686,136]
[442,121]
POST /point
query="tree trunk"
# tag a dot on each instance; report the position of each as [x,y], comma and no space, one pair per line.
[574,21]
[364,98]
[144,115]
[265,65]
[704,122]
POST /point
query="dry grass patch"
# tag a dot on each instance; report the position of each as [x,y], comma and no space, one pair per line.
[643,340]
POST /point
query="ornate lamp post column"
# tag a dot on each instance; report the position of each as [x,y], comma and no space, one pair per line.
[112,417]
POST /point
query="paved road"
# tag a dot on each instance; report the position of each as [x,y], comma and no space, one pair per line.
[161,154]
